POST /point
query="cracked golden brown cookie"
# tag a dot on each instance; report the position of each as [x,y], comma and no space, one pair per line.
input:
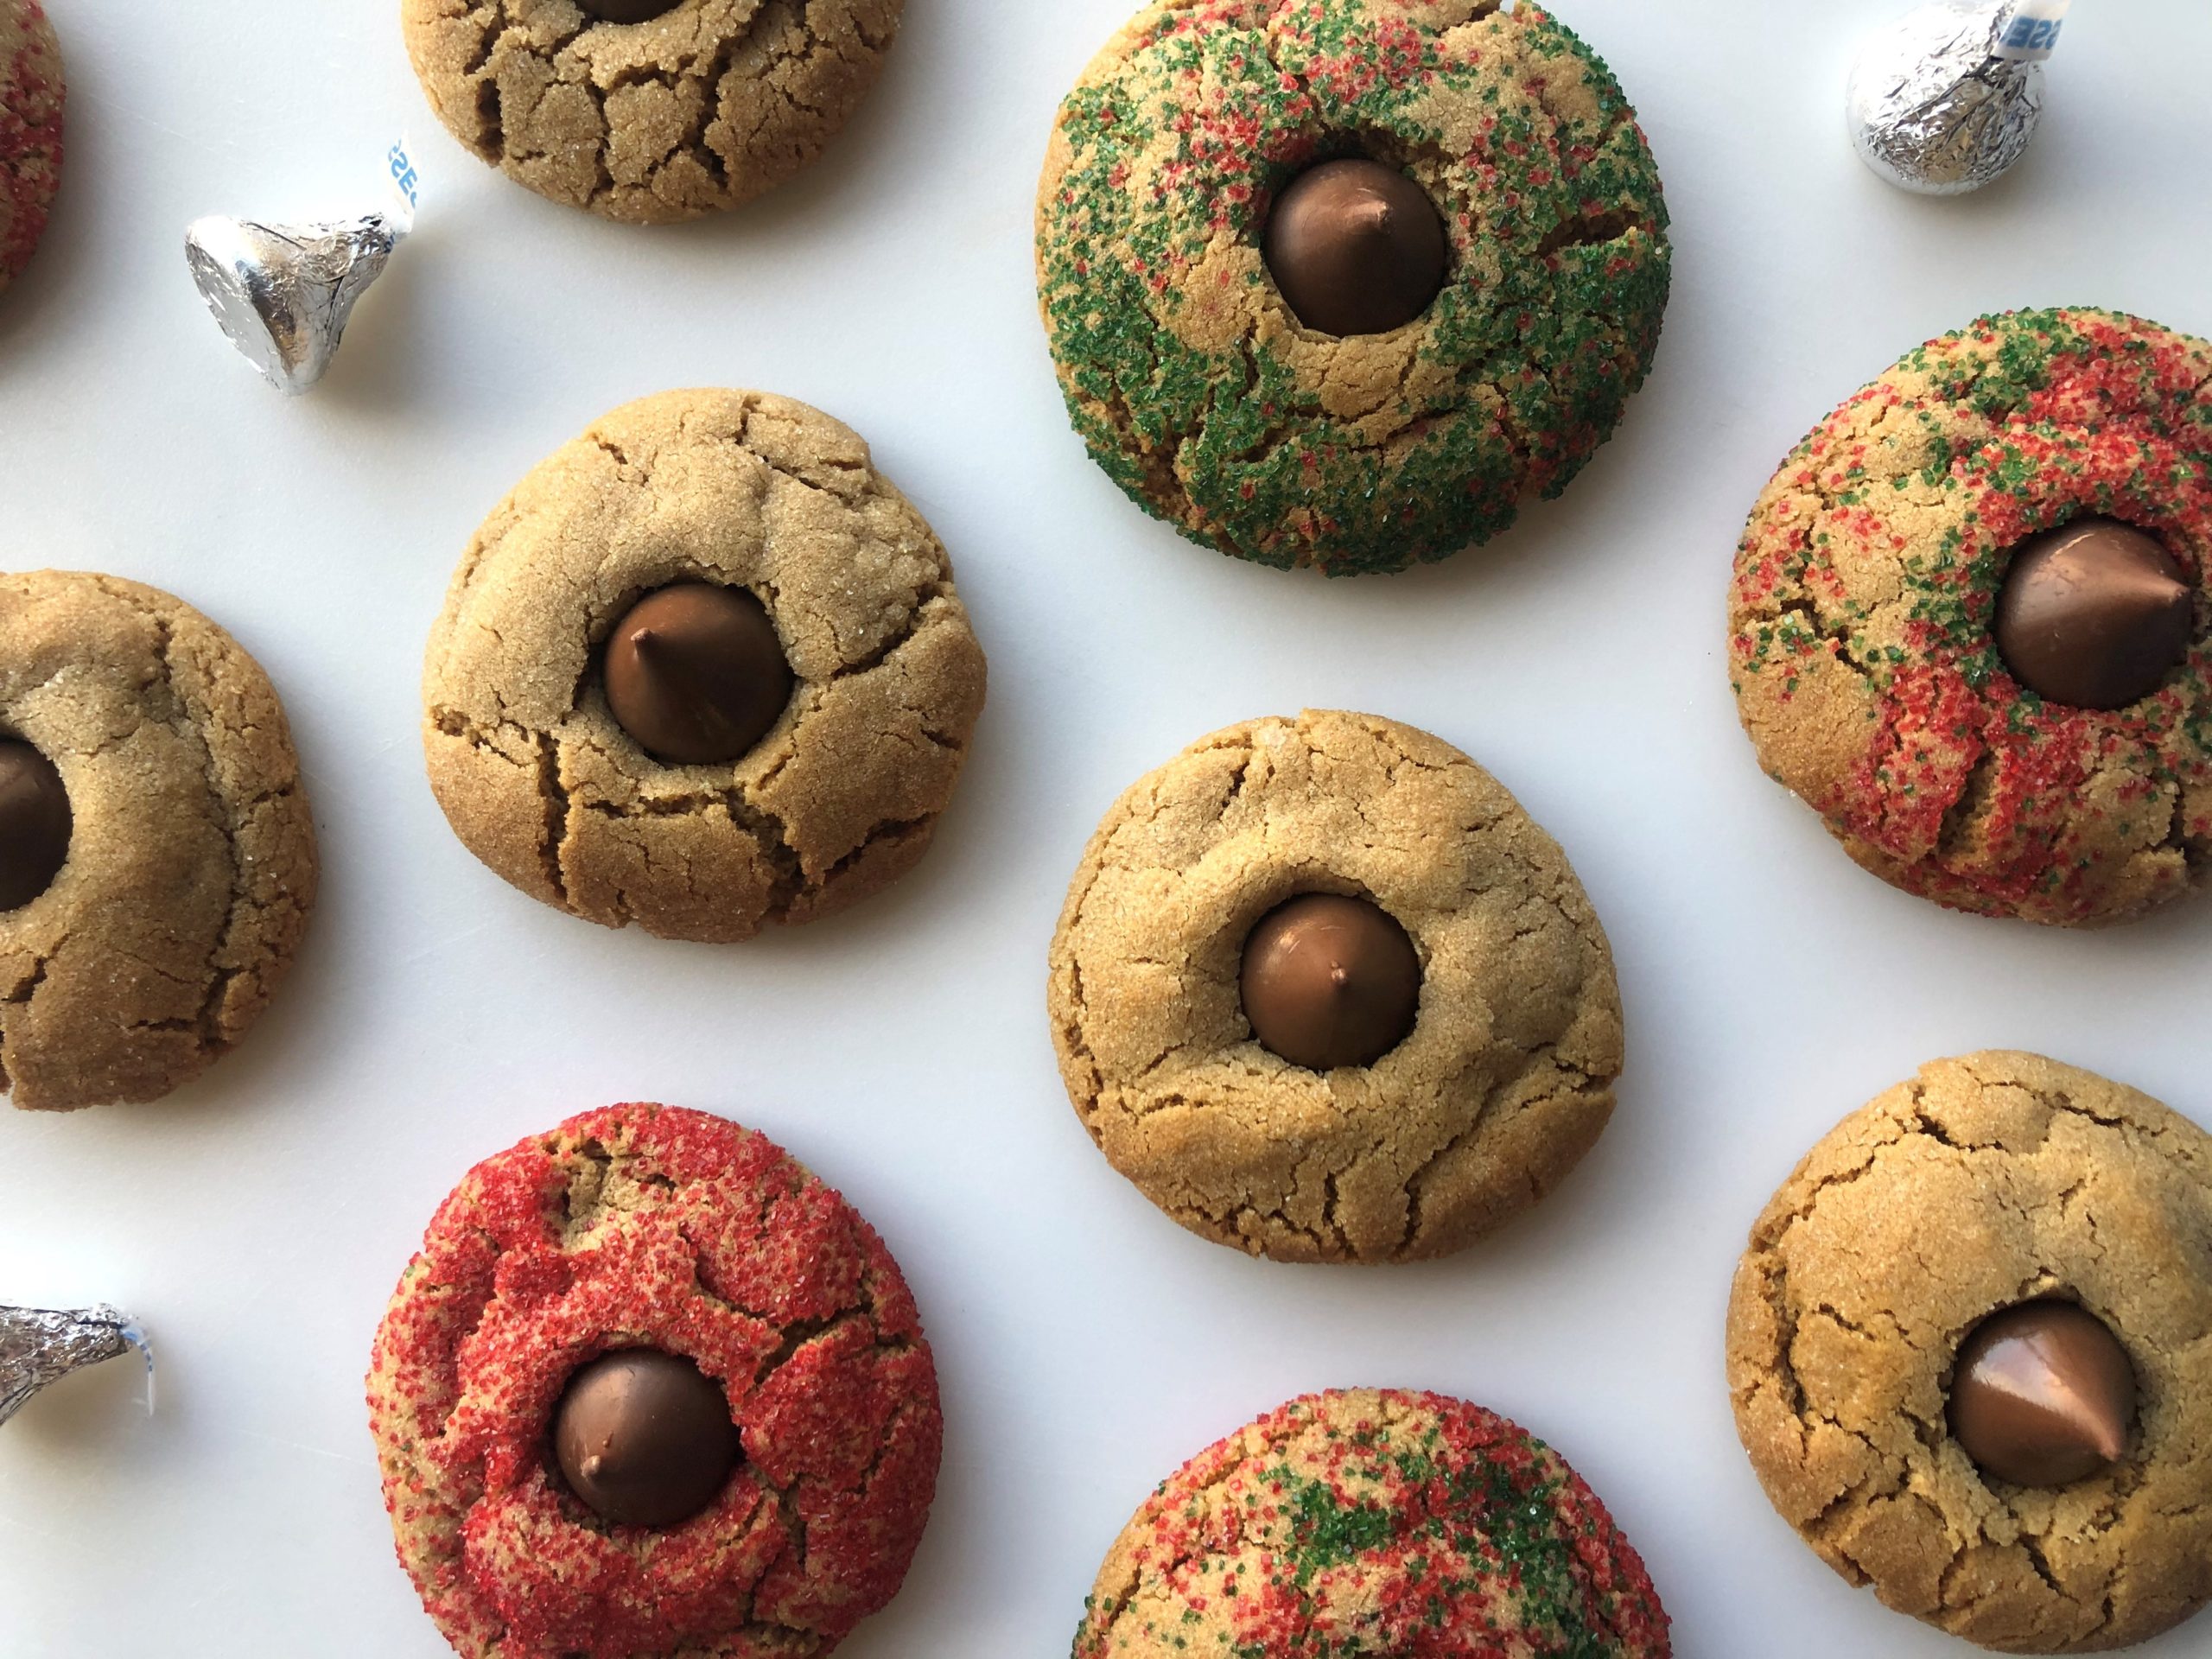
[697,105]
[1505,1080]
[737,489]
[1986,1182]
[187,863]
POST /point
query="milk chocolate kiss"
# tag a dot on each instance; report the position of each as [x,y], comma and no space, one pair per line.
[2042,1395]
[35,823]
[695,672]
[645,1438]
[2094,614]
[627,11]
[1355,248]
[1329,980]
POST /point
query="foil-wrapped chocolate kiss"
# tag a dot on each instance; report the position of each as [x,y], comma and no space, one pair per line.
[284,293]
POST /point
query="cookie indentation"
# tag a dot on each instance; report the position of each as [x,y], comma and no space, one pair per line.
[1355,248]
[695,672]
[2042,1394]
[628,12]
[2094,614]
[643,1437]
[1329,980]
[33,823]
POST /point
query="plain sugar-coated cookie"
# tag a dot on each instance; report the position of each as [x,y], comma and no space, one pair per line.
[1343,282]
[1970,1350]
[1374,1522]
[1967,623]
[157,858]
[31,96]
[648,111]
[650,1387]
[795,679]
[1323,992]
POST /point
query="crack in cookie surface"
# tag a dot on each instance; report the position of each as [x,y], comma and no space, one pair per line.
[1848,1310]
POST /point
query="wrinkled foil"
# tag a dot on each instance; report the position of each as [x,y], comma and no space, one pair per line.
[284,293]
[39,1346]
[1944,100]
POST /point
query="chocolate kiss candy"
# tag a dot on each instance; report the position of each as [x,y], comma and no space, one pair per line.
[35,823]
[1329,980]
[696,674]
[627,11]
[645,1438]
[1946,98]
[2042,1395]
[284,293]
[1355,248]
[2094,614]
[39,1346]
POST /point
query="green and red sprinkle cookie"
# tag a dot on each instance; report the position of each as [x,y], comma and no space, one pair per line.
[1860,619]
[650,1227]
[1188,377]
[31,130]
[1373,1524]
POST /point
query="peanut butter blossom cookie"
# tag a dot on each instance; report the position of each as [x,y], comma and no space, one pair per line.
[31,130]
[1970,1349]
[648,111]
[650,1387]
[704,670]
[157,859]
[1341,283]
[1968,614]
[1323,992]
[1373,1521]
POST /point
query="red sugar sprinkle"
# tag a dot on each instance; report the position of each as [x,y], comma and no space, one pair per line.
[31,97]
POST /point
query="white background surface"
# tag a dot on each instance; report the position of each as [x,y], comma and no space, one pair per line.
[258,1220]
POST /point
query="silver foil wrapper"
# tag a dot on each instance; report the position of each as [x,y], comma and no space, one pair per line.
[1946,98]
[39,1346]
[284,293]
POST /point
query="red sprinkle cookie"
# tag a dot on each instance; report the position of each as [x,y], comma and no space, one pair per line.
[594,1315]
[30,129]
[1374,1522]
[1967,624]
